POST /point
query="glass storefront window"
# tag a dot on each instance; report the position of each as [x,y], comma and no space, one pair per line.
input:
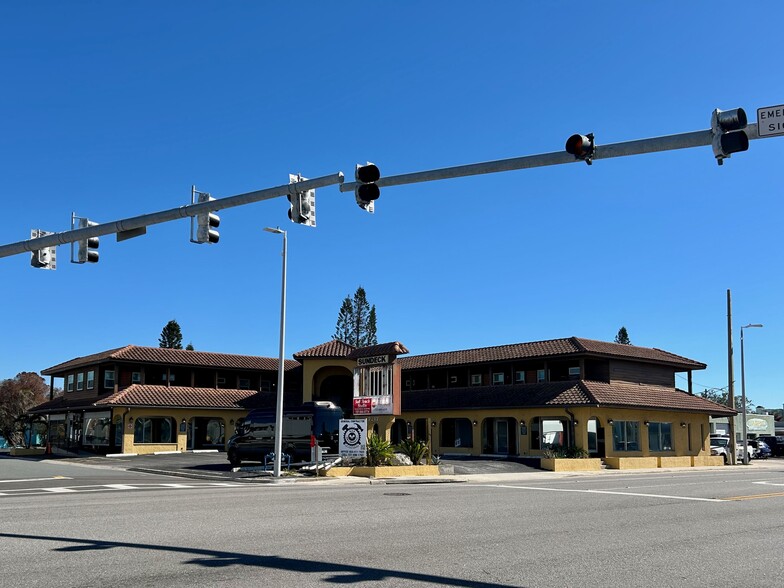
[96,429]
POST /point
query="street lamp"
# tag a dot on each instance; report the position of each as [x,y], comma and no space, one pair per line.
[743,390]
[279,405]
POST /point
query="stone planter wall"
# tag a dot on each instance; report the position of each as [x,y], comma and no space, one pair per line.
[383,471]
[675,461]
[631,463]
[707,460]
[571,465]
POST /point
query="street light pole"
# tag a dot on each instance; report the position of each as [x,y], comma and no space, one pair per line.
[279,404]
[743,391]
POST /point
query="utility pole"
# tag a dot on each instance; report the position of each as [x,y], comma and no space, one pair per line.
[731,377]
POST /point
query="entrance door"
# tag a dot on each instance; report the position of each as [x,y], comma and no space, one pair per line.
[501,433]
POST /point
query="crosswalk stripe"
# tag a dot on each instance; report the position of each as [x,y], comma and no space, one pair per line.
[56,490]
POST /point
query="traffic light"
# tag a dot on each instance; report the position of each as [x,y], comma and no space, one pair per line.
[206,222]
[86,249]
[303,203]
[45,258]
[582,147]
[367,191]
[728,134]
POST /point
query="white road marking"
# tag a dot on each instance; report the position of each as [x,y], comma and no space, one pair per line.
[610,492]
[57,489]
[120,487]
[37,479]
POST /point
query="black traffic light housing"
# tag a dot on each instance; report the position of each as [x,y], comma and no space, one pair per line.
[582,147]
[367,191]
[728,134]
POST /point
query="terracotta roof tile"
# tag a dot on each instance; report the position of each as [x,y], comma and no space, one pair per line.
[185,397]
[159,355]
[623,394]
[393,348]
[546,349]
[329,350]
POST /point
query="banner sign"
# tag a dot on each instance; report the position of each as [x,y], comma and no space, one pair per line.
[353,437]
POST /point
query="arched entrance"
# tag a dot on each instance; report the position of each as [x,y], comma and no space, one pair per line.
[595,438]
[399,431]
[335,385]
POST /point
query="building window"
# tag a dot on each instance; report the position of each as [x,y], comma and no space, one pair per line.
[163,377]
[244,384]
[91,379]
[626,436]
[540,376]
[660,436]
[457,433]
[498,378]
[221,381]
[153,430]
[476,379]
[574,373]
[265,386]
[136,378]
[453,379]
[80,381]
[520,377]
[69,383]
[108,379]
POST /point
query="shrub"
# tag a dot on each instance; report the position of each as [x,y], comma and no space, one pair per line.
[559,451]
[416,451]
[379,451]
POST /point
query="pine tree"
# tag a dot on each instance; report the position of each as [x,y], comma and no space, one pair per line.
[623,337]
[171,336]
[356,323]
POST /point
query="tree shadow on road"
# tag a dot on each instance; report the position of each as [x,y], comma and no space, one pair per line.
[210,558]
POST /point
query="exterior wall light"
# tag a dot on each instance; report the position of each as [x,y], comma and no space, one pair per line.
[610,422]
[646,423]
[683,425]
[433,424]
[474,423]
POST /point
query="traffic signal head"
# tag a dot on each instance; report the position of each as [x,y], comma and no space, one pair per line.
[45,258]
[367,191]
[728,134]
[303,203]
[207,222]
[86,249]
[582,147]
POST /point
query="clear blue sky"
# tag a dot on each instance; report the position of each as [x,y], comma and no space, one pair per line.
[113,110]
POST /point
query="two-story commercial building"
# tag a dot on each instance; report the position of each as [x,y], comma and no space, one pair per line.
[612,400]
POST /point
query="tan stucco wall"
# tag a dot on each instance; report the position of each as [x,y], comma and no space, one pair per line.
[178,414]
[312,376]
[699,426]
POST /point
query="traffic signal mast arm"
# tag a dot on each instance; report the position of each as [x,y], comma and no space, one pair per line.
[137,222]
[636,147]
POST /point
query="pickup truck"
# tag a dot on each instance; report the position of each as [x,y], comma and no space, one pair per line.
[720,445]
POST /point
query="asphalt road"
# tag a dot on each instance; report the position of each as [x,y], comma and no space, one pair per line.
[108,527]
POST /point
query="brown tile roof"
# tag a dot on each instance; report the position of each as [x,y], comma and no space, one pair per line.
[330,350]
[624,394]
[177,396]
[170,397]
[547,349]
[393,348]
[135,353]
[569,393]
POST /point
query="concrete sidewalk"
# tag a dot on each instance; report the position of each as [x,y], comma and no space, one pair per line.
[214,466]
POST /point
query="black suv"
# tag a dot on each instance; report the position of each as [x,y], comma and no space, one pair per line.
[776,443]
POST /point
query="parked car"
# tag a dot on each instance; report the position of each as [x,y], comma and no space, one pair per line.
[761,449]
[775,442]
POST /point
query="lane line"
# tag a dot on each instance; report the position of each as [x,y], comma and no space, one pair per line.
[753,496]
[56,490]
[37,479]
[688,498]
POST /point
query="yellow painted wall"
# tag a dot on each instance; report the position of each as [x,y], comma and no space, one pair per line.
[699,424]
[311,379]
[178,414]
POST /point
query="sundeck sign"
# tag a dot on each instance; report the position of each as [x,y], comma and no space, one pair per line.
[374,360]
